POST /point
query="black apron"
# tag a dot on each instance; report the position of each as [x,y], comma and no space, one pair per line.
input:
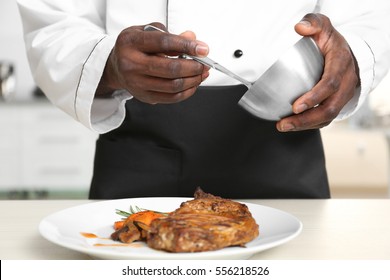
[207,141]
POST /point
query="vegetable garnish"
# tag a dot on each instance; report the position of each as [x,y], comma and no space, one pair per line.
[136,209]
[134,224]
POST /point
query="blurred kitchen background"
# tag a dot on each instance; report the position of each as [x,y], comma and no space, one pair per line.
[44,154]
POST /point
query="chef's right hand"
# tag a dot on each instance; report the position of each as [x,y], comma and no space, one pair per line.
[139,63]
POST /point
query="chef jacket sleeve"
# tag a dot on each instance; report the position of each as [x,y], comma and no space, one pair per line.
[67,47]
[366,27]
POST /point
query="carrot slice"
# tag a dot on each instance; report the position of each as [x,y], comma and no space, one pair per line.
[145,217]
[119,224]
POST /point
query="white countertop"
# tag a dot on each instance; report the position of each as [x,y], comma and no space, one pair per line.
[332,229]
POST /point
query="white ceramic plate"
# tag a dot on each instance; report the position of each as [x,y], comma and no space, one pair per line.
[65,228]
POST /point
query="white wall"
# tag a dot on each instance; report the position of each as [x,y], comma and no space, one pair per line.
[12,48]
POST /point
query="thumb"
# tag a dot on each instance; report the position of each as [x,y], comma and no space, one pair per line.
[304,28]
[309,25]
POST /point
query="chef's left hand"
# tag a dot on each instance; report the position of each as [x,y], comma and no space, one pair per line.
[318,107]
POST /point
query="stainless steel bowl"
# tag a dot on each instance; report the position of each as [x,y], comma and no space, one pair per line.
[296,72]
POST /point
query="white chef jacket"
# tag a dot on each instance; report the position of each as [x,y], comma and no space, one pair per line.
[68,42]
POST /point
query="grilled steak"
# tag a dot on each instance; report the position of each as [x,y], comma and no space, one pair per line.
[205,223]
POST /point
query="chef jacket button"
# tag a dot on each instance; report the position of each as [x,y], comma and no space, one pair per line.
[238,53]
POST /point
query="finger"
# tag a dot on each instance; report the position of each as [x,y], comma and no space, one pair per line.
[310,119]
[157,97]
[329,84]
[172,68]
[339,71]
[173,85]
[321,115]
[159,66]
[189,35]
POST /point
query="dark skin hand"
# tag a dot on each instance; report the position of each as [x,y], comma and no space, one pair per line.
[321,105]
[139,63]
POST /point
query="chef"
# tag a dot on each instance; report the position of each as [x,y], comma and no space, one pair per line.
[168,124]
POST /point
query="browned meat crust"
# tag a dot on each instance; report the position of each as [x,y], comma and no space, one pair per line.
[205,223]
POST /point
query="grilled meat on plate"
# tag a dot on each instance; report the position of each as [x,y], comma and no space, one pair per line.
[205,223]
